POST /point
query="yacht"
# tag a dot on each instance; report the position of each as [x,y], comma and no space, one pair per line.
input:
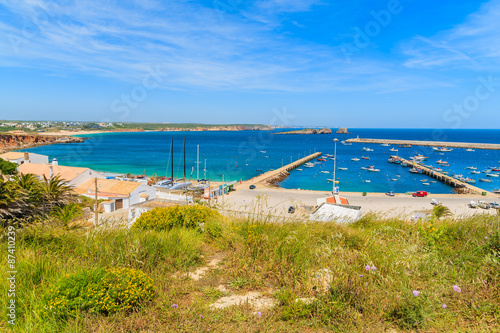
[371,168]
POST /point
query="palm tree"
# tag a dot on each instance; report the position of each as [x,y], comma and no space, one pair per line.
[440,211]
[12,199]
[56,192]
[67,213]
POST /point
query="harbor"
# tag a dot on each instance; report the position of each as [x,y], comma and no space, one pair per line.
[466,145]
[460,186]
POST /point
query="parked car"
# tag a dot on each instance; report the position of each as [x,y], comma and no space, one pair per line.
[291,209]
[252,187]
[435,202]
[420,194]
[390,193]
[472,204]
[483,205]
[494,205]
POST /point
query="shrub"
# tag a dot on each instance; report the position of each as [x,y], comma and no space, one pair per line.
[98,291]
[175,216]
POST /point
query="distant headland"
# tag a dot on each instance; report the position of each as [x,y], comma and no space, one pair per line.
[308,131]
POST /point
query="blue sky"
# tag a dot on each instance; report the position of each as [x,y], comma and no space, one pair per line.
[406,63]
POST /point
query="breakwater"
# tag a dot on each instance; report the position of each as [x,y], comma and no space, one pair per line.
[270,178]
[459,186]
[466,145]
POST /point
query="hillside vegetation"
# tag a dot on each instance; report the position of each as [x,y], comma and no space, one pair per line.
[375,275]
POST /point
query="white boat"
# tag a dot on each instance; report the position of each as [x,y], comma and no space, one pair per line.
[355,159]
[325,171]
[372,169]
[331,180]
[309,165]
[469,149]
[299,169]
[426,184]
[367,149]
[367,181]
[394,179]
[385,145]
[340,168]
[441,162]
[393,149]
[263,151]
[494,175]
[471,168]
[424,180]
[346,143]
[475,172]
[484,180]
[442,149]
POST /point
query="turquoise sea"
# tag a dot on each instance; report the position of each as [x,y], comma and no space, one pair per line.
[239,155]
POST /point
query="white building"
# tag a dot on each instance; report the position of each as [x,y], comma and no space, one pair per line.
[73,175]
[118,194]
[335,209]
[21,158]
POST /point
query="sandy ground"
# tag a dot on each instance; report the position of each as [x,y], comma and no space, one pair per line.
[60,133]
[276,202]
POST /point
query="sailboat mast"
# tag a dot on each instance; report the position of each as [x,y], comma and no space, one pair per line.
[184,159]
[172,158]
[197,162]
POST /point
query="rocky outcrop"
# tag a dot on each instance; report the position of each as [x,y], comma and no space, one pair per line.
[342,131]
[309,131]
[21,141]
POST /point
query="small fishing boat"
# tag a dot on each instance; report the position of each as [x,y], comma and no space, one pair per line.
[385,145]
[371,168]
[469,149]
[321,159]
[442,149]
[426,184]
[484,180]
[346,143]
[475,172]
[424,180]
[494,175]
[365,158]
[413,170]
[469,180]
[495,169]
[394,179]
[471,168]
[367,181]
[331,180]
[393,149]
[325,171]
[340,168]
[309,165]
[355,159]
[263,151]
[299,169]
[441,162]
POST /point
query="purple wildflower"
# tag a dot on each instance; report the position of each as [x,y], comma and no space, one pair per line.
[174,306]
[457,289]
[444,306]
[259,314]
[373,268]
[367,267]
[361,275]
[215,319]
[416,292]
[201,316]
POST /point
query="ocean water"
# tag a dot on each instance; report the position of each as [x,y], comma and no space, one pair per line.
[241,155]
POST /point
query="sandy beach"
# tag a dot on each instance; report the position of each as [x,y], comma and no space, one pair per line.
[277,200]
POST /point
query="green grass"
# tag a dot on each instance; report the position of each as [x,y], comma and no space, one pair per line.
[286,261]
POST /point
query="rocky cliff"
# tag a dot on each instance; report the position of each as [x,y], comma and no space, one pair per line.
[20,141]
[342,131]
[309,131]
[220,128]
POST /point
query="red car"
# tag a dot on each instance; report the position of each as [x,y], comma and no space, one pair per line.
[420,194]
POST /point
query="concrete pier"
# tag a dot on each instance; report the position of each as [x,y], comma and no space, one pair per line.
[279,173]
[490,146]
[458,184]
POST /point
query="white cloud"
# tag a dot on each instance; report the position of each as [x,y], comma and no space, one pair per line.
[195,46]
[474,44]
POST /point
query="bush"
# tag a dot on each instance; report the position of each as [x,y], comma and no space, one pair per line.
[175,216]
[98,291]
